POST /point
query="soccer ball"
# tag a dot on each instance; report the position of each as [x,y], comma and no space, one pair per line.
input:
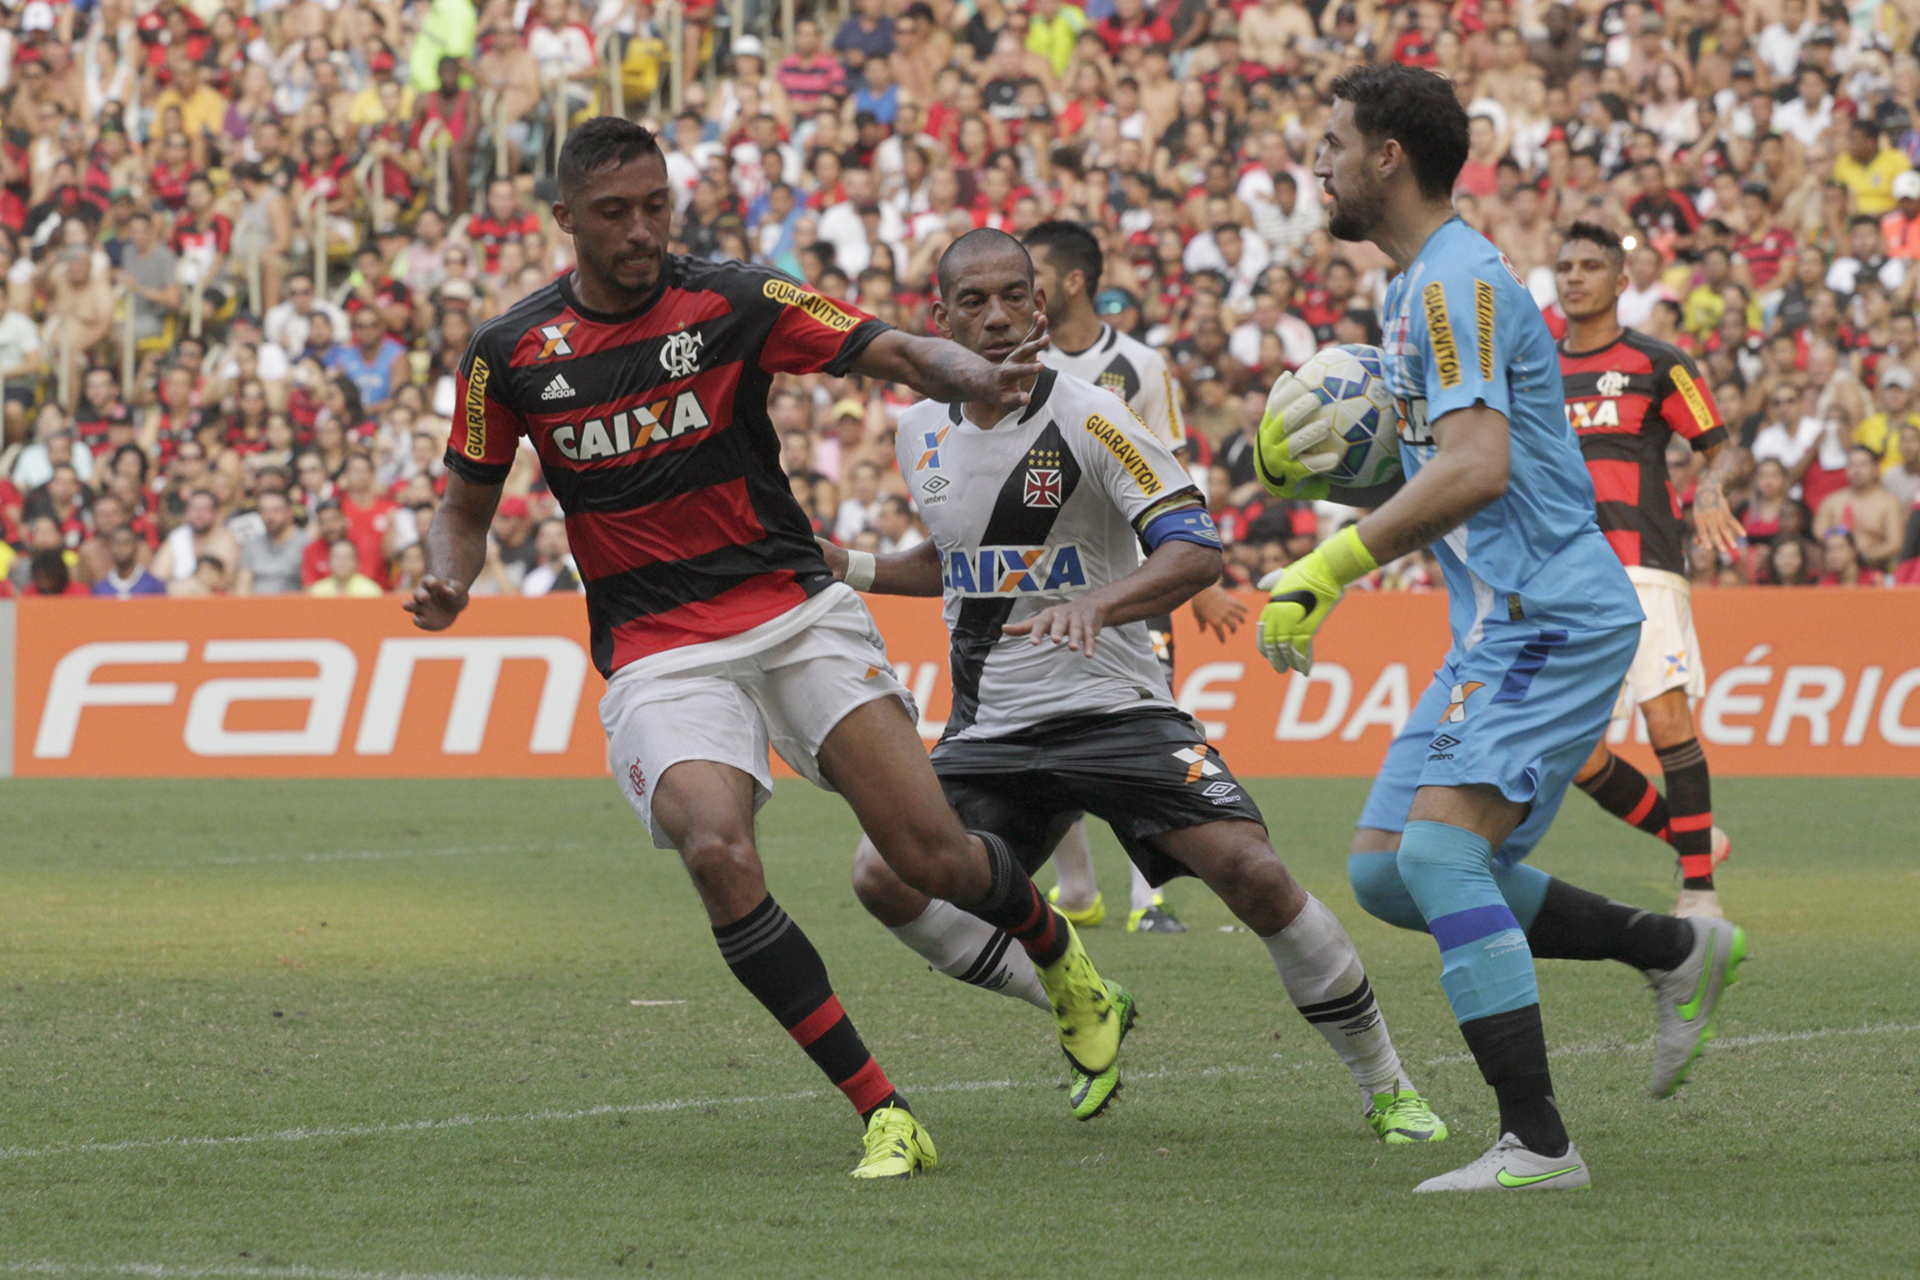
[1350,382]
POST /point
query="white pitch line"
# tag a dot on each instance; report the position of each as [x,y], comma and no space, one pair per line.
[176,1271]
[555,1115]
[1721,1042]
[378,855]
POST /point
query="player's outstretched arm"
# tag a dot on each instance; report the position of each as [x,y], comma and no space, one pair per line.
[1176,572]
[1468,470]
[913,572]
[456,552]
[948,372]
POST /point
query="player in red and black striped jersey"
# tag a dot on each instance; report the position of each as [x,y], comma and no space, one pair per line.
[640,380]
[1627,396]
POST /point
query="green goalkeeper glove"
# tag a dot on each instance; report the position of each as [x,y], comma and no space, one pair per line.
[1305,593]
[1295,444]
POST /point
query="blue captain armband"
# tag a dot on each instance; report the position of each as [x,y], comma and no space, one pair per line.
[1182,524]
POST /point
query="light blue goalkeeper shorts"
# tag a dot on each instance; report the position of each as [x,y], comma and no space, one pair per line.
[1520,711]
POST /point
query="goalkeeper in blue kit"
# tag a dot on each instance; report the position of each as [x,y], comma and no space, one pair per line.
[1544,624]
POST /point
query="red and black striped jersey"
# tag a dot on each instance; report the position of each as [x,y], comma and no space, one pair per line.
[652,429]
[1625,401]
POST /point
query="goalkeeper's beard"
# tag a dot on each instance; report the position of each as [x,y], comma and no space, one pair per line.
[1357,215]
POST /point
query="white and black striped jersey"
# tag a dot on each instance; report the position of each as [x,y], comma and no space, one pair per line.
[1045,505]
[1131,370]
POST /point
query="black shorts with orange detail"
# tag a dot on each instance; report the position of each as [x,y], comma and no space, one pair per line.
[1144,773]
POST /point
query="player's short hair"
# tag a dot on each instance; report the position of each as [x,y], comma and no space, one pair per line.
[1417,109]
[970,246]
[1070,247]
[1595,234]
[603,142]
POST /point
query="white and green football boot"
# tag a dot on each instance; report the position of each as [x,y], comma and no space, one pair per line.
[1686,997]
[1509,1166]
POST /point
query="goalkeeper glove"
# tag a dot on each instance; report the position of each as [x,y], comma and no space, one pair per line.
[1295,444]
[1304,593]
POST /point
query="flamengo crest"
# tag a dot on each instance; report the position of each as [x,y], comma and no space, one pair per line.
[681,356]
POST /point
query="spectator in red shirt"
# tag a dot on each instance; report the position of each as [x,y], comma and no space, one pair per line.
[503,220]
[812,77]
[1131,23]
[1764,244]
[330,525]
[48,576]
[369,513]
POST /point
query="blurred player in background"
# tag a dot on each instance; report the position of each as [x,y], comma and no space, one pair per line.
[1067,265]
[1038,517]
[1544,622]
[641,377]
[1627,396]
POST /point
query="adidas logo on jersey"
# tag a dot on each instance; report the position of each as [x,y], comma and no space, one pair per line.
[558,389]
[1006,571]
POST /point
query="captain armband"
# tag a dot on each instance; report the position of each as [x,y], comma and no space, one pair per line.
[1186,522]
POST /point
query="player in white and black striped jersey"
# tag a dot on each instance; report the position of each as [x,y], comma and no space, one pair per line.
[1039,518]
[1067,267]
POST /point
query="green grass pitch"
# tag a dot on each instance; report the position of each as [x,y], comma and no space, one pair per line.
[337,1030]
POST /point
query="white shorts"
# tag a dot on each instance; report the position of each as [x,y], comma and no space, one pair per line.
[1669,653]
[787,694]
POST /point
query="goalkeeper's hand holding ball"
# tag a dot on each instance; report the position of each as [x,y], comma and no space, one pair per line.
[1295,445]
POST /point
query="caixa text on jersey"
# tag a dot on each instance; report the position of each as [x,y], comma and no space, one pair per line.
[631,430]
[1006,571]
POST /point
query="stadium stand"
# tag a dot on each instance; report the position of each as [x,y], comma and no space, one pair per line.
[244,244]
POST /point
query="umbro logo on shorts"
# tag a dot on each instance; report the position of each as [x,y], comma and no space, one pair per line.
[558,389]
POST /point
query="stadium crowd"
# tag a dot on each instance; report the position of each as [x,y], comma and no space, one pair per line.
[245,244]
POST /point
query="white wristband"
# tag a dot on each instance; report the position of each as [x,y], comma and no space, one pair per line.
[860,567]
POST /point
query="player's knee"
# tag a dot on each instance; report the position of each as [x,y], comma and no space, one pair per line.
[880,891]
[1438,860]
[1381,893]
[723,866]
[1256,886]
[932,858]
[1669,721]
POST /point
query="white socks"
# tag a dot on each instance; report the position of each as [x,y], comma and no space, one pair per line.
[1141,892]
[966,947]
[1322,974]
[1073,866]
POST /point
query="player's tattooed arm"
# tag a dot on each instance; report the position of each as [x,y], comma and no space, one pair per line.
[1468,470]
[1170,577]
[1713,518]
[456,552]
[913,572]
[948,372]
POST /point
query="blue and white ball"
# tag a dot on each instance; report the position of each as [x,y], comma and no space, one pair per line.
[1351,384]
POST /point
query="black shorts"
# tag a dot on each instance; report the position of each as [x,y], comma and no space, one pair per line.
[1144,773]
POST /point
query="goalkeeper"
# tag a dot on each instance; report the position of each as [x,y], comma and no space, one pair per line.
[1544,625]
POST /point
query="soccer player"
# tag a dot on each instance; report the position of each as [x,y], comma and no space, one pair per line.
[1544,623]
[1067,266]
[641,380]
[1038,515]
[1627,395]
